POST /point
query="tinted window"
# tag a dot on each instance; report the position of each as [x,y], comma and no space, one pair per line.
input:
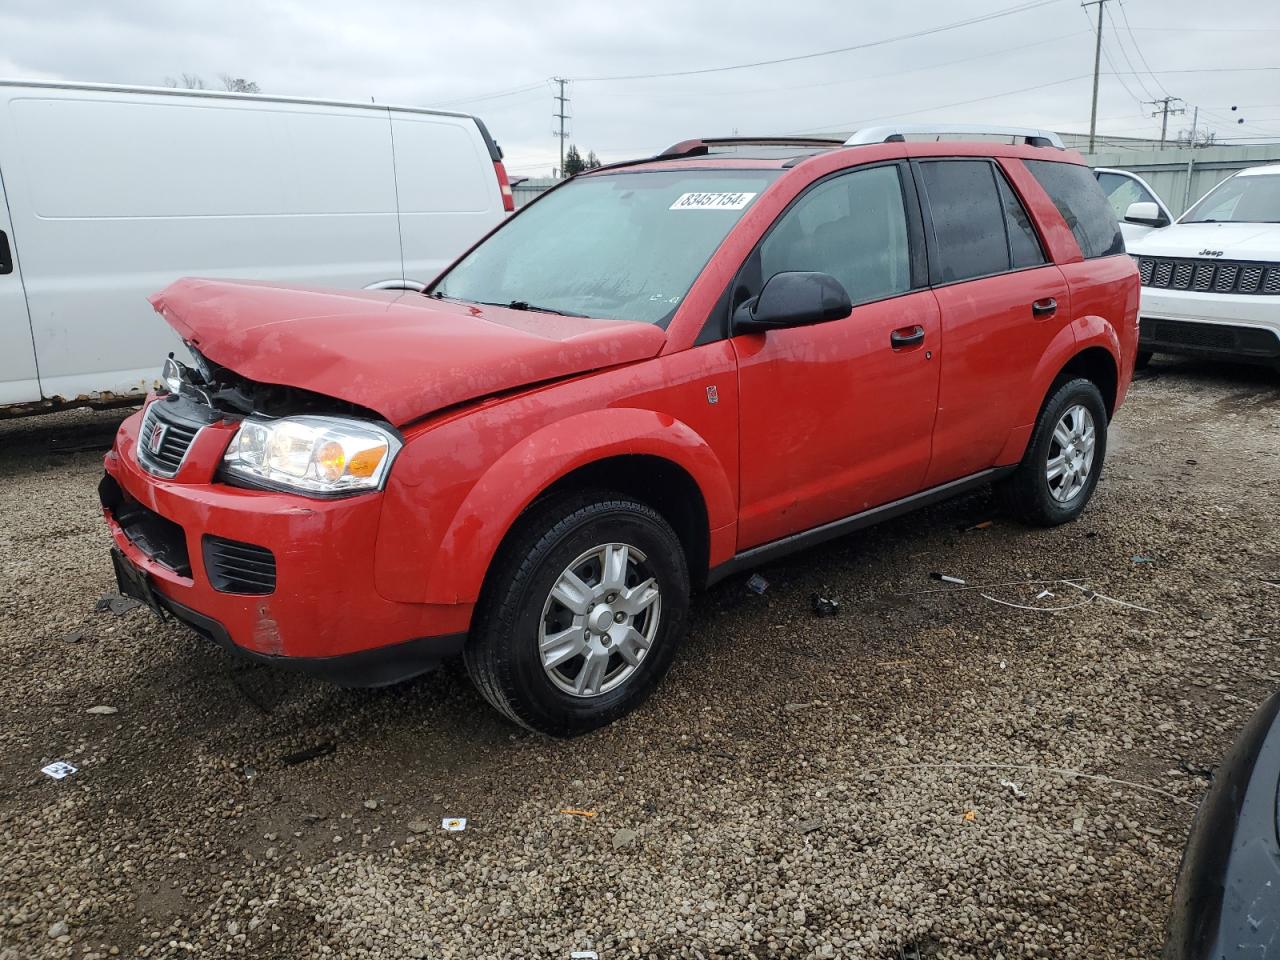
[1024,245]
[853,227]
[1121,191]
[1075,192]
[968,219]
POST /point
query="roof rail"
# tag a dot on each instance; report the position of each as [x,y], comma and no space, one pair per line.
[897,133]
[703,145]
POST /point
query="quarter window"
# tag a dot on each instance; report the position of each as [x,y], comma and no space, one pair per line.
[853,227]
[968,219]
[1024,245]
[1078,197]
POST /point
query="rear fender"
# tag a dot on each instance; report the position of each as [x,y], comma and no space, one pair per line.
[528,469]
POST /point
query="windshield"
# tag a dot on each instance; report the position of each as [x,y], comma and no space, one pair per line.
[1242,199]
[621,246]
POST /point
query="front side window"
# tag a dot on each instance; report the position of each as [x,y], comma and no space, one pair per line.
[852,227]
[1249,198]
[1123,191]
[617,246]
[1075,192]
[968,219]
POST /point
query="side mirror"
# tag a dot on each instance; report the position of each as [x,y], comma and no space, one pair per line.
[793,299]
[1146,213]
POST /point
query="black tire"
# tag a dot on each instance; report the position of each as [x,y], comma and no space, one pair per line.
[502,652]
[1026,494]
[1142,360]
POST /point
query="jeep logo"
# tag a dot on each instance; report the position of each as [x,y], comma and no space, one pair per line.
[1210,253]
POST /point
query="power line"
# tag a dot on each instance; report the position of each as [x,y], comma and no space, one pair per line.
[1097,66]
[1163,112]
[1141,56]
[1008,11]
[494,96]
[1119,42]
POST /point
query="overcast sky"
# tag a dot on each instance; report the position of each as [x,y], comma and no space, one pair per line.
[1030,67]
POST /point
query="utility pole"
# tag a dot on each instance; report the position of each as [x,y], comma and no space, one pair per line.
[1195,122]
[562,114]
[1097,66]
[1163,110]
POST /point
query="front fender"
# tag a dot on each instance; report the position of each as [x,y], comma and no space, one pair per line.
[519,476]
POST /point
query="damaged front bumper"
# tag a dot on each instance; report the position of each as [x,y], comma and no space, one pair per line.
[273,576]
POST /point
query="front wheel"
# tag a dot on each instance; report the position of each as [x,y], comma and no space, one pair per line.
[582,614]
[1060,469]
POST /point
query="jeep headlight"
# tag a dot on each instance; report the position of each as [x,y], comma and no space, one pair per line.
[319,456]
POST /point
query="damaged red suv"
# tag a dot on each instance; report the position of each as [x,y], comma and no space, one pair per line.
[655,375]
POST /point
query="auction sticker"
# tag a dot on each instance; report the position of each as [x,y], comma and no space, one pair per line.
[712,201]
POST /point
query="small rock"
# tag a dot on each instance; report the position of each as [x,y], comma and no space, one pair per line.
[102,710]
[419,826]
[624,838]
[371,804]
[59,929]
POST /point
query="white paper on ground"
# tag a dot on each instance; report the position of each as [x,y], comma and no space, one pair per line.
[454,823]
[58,769]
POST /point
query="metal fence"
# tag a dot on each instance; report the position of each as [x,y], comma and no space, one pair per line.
[1181,176]
[527,189]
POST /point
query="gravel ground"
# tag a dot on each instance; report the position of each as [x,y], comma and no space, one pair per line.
[929,774]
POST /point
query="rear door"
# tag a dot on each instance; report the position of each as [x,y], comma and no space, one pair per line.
[1002,304]
[18,379]
[836,418]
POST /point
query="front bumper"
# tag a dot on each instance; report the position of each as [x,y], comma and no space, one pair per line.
[1221,326]
[322,612]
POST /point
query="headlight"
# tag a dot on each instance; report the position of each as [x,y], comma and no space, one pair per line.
[321,456]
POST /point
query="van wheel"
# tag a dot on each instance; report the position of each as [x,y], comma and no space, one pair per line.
[1060,469]
[581,614]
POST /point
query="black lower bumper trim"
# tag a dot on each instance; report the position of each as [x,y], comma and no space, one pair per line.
[378,667]
[1211,340]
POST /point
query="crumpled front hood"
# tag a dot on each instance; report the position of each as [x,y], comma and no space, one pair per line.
[1237,241]
[399,354]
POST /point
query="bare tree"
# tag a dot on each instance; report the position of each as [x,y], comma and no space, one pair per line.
[1196,138]
[188,81]
[238,84]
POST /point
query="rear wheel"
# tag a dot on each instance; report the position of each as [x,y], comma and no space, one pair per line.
[1060,469]
[582,614]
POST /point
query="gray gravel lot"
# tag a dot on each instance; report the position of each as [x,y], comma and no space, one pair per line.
[930,773]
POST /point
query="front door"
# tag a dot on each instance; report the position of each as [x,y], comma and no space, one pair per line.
[837,418]
[18,380]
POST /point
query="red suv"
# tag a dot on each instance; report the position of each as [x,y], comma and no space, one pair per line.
[657,374]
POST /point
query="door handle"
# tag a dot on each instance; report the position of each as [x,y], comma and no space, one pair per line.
[906,337]
[6,258]
[1044,308]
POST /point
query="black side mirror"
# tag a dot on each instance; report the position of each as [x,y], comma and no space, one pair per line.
[793,299]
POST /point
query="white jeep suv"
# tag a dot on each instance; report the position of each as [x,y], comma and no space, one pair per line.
[1211,281]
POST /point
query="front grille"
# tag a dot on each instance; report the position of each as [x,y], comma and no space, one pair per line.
[163,455]
[1204,275]
[235,567]
[158,537]
[1220,338]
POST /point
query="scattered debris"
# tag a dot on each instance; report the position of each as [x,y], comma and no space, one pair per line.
[584,955]
[1272,583]
[574,812]
[453,824]
[1192,462]
[808,826]
[102,710]
[824,606]
[418,826]
[1045,594]
[797,707]
[250,771]
[371,804]
[624,838]
[1197,769]
[1014,788]
[117,604]
[970,816]
[1139,558]
[984,525]
[313,817]
[311,753]
[58,769]
[757,584]
[946,579]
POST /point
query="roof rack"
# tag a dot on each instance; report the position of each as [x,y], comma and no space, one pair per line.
[702,145]
[897,133]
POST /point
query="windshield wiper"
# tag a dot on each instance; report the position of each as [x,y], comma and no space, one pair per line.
[526,305]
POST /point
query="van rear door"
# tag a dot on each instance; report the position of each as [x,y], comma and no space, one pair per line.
[18,379]
[447,186]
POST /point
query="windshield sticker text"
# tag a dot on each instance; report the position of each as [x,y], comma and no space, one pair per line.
[712,201]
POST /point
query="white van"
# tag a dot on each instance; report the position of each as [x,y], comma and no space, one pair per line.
[108,194]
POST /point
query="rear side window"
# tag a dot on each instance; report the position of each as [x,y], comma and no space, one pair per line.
[968,220]
[1024,245]
[1075,192]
